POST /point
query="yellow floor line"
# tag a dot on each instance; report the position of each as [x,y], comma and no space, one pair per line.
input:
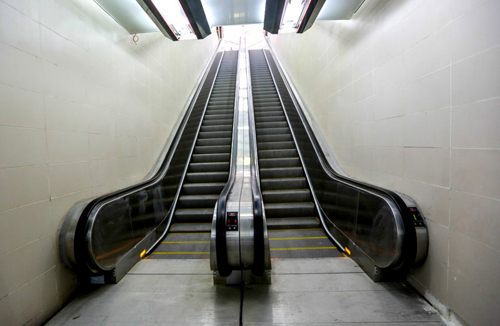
[304,248]
[187,241]
[298,238]
[180,253]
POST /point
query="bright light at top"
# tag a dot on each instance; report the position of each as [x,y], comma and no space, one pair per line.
[174,15]
[293,14]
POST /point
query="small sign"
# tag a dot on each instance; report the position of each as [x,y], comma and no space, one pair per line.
[232,221]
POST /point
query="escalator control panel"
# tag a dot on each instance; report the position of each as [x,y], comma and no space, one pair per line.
[417,218]
[232,221]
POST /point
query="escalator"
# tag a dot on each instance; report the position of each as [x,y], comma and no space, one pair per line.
[169,214]
[311,209]
[292,219]
[207,174]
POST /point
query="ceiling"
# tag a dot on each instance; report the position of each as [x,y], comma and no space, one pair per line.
[133,19]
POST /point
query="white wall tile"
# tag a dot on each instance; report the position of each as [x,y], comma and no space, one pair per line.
[28,7]
[21,269]
[21,108]
[429,55]
[67,146]
[127,146]
[388,44]
[66,178]
[389,104]
[427,18]
[476,264]
[345,76]
[62,52]
[22,146]
[428,165]
[428,129]
[102,146]
[363,87]
[476,31]
[475,125]
[26,185]
[476,171]
[429,92]
[63,83]
[476,78]
[363,64]
[19,30]
[104,171]
[65,115]
[23,225]
[389,74]
[20,69]
[475,216]
[31,304]
[460,7]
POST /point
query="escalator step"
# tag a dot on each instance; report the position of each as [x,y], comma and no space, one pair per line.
[274,138]
[190,227]
[280,196]
[292,223]
[226,127]
[198,177]
[212,149]
[272,131]
[194,215]
[214,142]
[202,188]
[198,201]
[287,172]
[213,157]
[271,124]
[279,162]
[215,134]
[209,167]
[283,183]
[277,153]
[289,209]
[276,145]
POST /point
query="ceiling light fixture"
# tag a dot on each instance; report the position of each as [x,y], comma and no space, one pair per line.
[178,19]
[291,16]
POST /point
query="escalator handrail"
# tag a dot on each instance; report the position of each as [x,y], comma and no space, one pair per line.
[258,202]
[220,208]
[83,253]
[405,236]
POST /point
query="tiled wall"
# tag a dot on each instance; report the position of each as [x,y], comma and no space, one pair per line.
[83,111]
[407,93]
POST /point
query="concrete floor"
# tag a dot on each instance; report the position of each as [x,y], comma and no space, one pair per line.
[325,291]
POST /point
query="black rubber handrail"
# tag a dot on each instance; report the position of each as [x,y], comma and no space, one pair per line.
[258,211]
[220,226]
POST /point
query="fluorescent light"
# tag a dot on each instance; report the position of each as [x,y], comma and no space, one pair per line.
[174,15]
[293,14]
